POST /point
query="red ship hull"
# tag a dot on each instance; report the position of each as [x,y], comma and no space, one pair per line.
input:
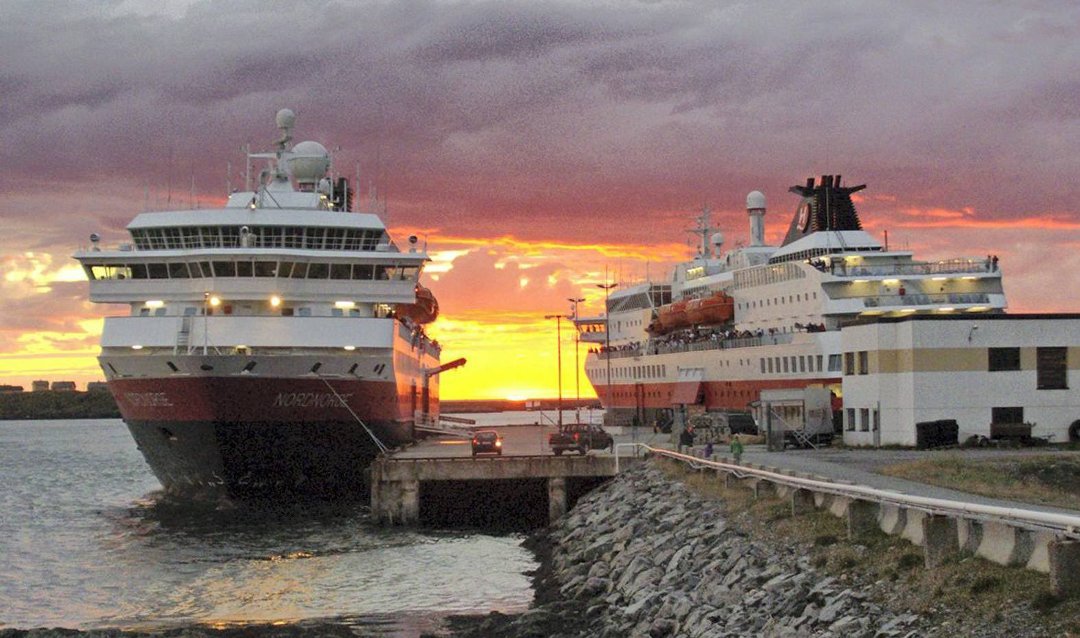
[248,437]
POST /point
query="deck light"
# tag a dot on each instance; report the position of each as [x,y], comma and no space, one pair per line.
[350,348]
[136,347]
[155,303]
[939,278]
[978,309]
[215,301]
[969,278]
[890,282]
[275,301]
[860,281]
[946,309]
[344,304]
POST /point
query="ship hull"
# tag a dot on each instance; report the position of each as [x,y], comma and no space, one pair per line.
[249,438]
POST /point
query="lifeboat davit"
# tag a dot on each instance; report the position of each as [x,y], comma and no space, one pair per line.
[673,315]
[717,308]
[424,310]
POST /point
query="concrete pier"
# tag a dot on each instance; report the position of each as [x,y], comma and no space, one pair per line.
[400,485]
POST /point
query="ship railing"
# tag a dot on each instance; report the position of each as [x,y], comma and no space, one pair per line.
[927,300]
[702,345]
[947,267]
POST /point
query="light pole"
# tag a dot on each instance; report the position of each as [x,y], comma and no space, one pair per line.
[558,349]
[607,343]
[577,344]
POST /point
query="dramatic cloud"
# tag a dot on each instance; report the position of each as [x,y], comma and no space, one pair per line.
[587,132]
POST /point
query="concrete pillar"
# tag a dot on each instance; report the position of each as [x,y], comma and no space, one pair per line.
[893,519]
[556,498]
[1004,544]
[939,539]
[1064,568]
[410,502]
[861,518]
[802,501]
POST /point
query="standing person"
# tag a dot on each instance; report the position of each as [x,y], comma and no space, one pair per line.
[708,449]
[736,448]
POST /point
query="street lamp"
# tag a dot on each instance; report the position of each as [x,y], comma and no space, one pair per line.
[558,349]
[606,287]
[577,344]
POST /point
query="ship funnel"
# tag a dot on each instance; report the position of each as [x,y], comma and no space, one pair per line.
[755,207]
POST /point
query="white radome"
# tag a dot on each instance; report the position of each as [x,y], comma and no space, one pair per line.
[285,119]
[308,162]
[756,199]
[718,239]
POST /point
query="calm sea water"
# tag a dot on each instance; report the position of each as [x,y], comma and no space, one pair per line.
[87,541]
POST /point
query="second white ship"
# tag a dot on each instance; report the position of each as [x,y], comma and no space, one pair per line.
[728,326]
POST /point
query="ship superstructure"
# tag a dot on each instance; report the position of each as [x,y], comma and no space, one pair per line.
[729,326]
[271,346]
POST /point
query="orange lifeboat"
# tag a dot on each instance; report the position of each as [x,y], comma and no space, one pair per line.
[673,315]
[717,308]
[424,310]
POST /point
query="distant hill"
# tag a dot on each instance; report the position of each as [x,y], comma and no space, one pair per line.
[47,404]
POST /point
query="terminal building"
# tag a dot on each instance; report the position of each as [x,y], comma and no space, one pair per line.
[991,369]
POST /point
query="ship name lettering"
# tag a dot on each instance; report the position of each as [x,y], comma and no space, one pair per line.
[148,399]
[310,400]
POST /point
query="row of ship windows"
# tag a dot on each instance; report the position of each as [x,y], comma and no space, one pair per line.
[792,364]
[776,301]
[313,238]
[797,364]
[764,275]
[248,268]
[378,311]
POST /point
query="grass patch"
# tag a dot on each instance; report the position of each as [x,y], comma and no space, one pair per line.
[1049,479]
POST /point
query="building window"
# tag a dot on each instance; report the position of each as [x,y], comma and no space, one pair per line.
[1003,359]
[1007,415]
[1051,368]
[849,363]
[864,362]
[864,419]
[850,419]
[834,363]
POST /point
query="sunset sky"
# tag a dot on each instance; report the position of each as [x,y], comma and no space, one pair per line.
[535,144]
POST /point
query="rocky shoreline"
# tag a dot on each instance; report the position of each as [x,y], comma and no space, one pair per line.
[646,556]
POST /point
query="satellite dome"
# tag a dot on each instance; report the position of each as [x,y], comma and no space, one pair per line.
[718,239]
[308,162]
[756,199]
[285,119]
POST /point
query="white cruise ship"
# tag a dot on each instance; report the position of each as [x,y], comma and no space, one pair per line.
[730,326]
[272,346]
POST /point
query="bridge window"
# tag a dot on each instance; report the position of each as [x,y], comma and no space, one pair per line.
[265,268]
[363,271]
[340,271]
[178,271]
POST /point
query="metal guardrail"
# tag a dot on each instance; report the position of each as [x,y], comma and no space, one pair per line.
[1063,524]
